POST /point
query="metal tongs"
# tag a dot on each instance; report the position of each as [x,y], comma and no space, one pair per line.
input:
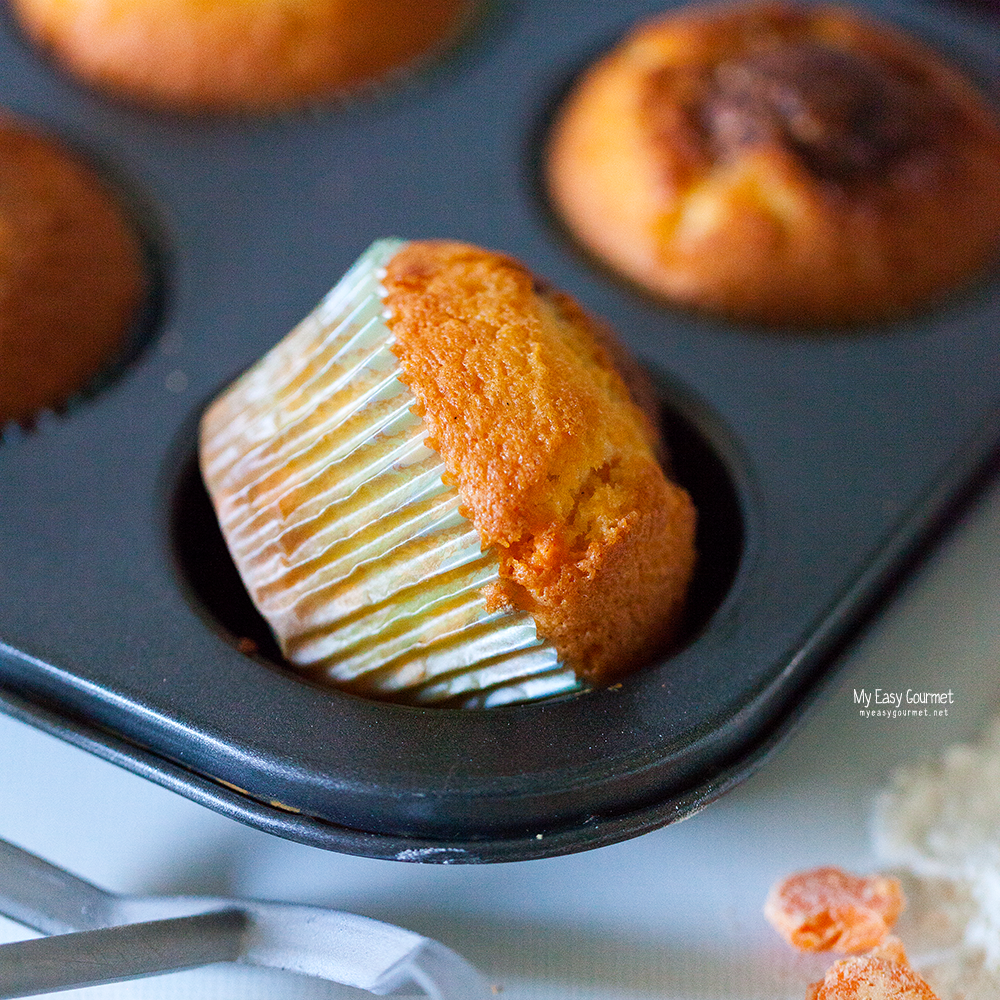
[102,937]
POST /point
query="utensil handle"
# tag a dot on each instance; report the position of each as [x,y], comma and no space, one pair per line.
[440,972]
[116,954]
[48,899]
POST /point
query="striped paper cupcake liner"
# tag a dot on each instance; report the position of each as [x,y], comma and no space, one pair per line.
[341,524]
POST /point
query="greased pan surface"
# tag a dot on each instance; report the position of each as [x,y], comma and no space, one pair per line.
[820,462]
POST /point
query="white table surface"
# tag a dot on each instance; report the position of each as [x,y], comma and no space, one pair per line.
[673,915]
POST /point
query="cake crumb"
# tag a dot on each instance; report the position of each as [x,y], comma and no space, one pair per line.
[884,973]
[827,909]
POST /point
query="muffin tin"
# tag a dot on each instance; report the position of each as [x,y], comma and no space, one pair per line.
[821,463]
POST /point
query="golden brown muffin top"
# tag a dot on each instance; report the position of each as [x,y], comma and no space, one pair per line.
[233,56]
[780,163]
[555,462]
[71,274]
[846,101]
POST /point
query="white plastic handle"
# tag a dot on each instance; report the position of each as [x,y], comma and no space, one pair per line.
[121,937]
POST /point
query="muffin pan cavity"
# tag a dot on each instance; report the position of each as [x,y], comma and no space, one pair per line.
[210,579]
[821,465]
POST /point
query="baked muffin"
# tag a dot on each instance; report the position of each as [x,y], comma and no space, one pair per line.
[229,55]
[72,273]
[780,164]
[438,488]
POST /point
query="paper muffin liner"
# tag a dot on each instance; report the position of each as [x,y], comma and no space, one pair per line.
[342,526]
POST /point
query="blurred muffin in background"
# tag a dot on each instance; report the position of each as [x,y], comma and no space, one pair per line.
[72,273]
[779,163]
[228,55]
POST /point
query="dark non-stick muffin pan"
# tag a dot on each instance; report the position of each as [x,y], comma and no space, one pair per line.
[820,463]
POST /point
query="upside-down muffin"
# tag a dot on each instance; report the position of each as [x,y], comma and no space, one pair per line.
[439,489]
[233,56]
[72,273]
[780,164]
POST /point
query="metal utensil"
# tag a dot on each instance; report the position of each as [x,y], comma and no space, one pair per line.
[102,937]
